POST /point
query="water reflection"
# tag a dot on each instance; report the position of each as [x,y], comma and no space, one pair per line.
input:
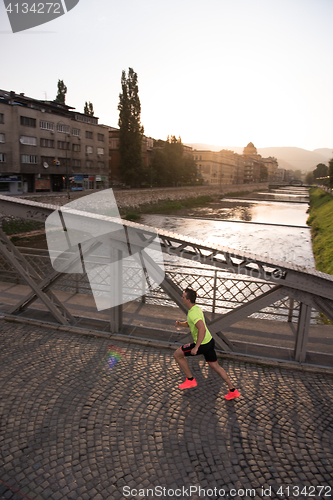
[273,230]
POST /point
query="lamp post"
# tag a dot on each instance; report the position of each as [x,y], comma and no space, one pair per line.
[66,164]
[67,183]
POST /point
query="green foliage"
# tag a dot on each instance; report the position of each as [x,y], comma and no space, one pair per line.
[321,222]
[170,167]
[18,226]
[309,178]
[321,170]
[330,173]
[130,131]
[62,90]
[88,109]
[132,216]
[166,206]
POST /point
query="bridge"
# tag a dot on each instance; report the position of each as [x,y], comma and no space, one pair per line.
[311,288]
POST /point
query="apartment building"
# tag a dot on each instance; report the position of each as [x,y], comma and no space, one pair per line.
[255,163]
[217,167]
[48,146]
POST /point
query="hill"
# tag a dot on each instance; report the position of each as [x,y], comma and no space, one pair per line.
[290,158]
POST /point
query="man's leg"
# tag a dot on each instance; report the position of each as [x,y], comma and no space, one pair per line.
[182,362]
[218,369]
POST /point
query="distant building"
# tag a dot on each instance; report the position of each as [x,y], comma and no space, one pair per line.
[216,167]
[255,163]
[227,167]
[42,143]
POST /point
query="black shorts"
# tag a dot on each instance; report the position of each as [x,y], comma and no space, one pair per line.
[208,350]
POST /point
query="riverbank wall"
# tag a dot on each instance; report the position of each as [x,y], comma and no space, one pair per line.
[129,200]
[139,197]
[135,198]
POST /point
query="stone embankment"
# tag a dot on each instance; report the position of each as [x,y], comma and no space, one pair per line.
[134,198]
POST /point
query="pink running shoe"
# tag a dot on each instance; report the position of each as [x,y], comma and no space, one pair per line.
[188,384]
[232,395]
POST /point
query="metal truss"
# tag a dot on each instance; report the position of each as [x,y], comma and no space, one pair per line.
[312,288]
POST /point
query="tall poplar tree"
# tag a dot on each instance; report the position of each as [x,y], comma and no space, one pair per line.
[130,131]
[88,109]
[62,91]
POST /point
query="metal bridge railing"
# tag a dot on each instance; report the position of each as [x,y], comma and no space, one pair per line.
[218,291]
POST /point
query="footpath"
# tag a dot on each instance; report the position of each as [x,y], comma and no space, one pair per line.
[91,417]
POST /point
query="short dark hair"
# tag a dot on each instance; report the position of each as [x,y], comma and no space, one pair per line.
[191,295]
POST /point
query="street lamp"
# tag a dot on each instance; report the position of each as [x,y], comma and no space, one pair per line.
[66,164]
[67,183]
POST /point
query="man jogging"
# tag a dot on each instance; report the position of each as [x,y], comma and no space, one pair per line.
[203,344]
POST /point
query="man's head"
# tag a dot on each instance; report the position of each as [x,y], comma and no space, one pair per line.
[189,297]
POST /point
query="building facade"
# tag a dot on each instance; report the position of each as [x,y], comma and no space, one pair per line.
[218,167]
[48,146]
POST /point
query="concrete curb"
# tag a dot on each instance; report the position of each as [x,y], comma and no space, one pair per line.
[263,361]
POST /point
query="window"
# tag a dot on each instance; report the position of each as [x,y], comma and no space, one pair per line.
[86,119]
[2,138]
[28,141]
[29,159]
[89,164]
[4,186]
[77,148]
[26,121]
[76,132]
[100,137]
[76,163]
[62,145]
[89,150]
[100,164]
[46,125]
[2,118]
[89,135]
[100,151]
[2,157]
[47,143]
[63,128]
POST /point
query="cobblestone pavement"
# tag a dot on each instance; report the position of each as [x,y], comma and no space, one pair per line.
[78,422]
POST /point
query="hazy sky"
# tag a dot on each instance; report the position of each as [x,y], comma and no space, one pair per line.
[222,72]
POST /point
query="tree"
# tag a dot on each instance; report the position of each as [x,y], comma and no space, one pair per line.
[130,131]
[62,90]
[88,109]
[330,173]
[170,166]
[321,170]
[309,178]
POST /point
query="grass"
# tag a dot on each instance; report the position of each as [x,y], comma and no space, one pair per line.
[132,216]
[19,226]
[321,221]
[164,206]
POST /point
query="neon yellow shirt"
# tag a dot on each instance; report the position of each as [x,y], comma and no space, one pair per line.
[193,316]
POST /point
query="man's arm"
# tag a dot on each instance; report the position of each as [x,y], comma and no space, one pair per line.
[182,323]
[201,335]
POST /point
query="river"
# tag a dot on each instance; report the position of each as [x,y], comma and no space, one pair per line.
[270,224]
